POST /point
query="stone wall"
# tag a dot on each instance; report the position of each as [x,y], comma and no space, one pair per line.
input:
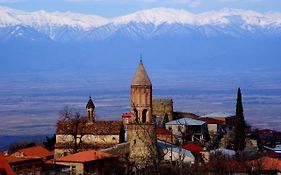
[162,108]
[108,139]
[122,150]
[142,139]
[98,140]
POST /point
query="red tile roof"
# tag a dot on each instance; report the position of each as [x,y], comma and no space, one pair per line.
[13,159]
[4,165]
[229,165]
[266,164]
[162,131]
[34,152]
[85,156]
[97,128]
[210,120]
[128,115]
[193,147]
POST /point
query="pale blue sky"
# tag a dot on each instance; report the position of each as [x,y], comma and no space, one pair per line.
[111,8]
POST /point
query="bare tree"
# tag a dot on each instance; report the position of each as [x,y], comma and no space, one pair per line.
[72,125]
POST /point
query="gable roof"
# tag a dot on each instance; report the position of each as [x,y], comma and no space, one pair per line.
[127,115]
[4,166]
[98,127]
[194,148]
[85,156]
[35,152]
[210,120]
[175,149]
[141,78]
[13,159]
[219,115]
[185,121]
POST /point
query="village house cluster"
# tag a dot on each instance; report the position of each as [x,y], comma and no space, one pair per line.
[151,138]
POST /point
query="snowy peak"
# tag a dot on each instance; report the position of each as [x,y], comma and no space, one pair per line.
[157,16]
[225,16]
[154,16]
[149,23]
[43,18]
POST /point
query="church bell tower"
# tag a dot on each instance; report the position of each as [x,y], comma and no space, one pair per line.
[90,108]
[141,128]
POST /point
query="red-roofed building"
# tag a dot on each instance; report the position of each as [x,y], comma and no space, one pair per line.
[87,162]
[29,160]
[193,148]
[33,152]
[225,167]
[126,118]
[266,165]
[5,168]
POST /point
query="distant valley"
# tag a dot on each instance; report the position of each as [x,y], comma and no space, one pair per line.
[52,59]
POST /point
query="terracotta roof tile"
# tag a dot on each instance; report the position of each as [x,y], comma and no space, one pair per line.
[13,159]
[210,120]
[85,156]
[266,163]
[35,152]
[128,114]
[97,128]
[192,147]
[4,165]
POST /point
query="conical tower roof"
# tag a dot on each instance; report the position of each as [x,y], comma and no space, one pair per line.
[90,104]
[141,78]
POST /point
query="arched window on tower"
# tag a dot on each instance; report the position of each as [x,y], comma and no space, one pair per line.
[89,114]
[136,116]
[144,112]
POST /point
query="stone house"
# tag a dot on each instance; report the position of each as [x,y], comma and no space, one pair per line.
[96,135]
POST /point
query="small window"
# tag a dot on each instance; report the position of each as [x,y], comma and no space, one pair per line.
[73,169]
[136,116]
[144,112]
[135,141]
[113,138]
[127,120]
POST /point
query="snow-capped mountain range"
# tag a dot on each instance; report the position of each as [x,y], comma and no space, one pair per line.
[65,26]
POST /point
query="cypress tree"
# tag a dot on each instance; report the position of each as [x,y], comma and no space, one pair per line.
[240,135]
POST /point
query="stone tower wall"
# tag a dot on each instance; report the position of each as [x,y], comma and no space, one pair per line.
[162,107]
[141,99]
[90,115]
[142,144]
